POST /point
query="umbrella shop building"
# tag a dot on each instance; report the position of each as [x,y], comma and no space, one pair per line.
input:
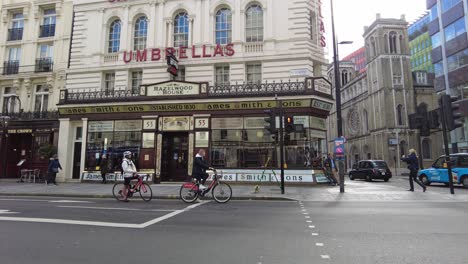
[164,79]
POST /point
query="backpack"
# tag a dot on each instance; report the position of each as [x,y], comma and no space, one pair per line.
[121,167]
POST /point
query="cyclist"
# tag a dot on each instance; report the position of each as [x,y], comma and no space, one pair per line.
[129,173]
[199,168]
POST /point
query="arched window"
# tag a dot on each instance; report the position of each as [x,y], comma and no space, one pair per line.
[403,148]
[426,148]
[366,121]
[254,24]
[400,115]
[400,44]
[114,36]
[386,43]
[140,34]
[181,30]
[344,77]
[223,29]
[393,42]
[373,47]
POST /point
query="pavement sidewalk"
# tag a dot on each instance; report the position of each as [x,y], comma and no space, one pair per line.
[355,191]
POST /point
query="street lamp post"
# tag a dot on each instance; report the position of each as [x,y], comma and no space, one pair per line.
[339,121]
[5,120]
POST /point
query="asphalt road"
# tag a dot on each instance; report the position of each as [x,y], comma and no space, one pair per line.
[54,230]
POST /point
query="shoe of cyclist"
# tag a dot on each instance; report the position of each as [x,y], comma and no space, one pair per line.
[202,187]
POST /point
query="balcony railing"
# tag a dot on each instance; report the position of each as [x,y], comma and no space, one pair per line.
[256,89]
[47,31]
[78,96]
[15,34]
[44,65]
[10,67]
[255,47]
[36,115]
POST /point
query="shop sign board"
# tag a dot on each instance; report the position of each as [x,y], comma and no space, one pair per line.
[128,125]
[191,107]
[100,126]
[318,134]
[300,73]
[176,123]
[317,123]
[322,85]
[302,120]
[202,122]
[20,131]
[339,148]
[172,88]
[227,123]
[254,122]
[96,176]
[149,124]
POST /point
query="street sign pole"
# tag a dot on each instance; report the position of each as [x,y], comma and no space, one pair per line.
[281,138]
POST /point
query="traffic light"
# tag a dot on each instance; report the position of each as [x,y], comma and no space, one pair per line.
[416,121]
[289,124]
[433,118]
[271,121]
[451,112]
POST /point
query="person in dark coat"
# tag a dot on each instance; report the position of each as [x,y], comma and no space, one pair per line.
[53,168]
[104,167]
[413,166]
[199,168]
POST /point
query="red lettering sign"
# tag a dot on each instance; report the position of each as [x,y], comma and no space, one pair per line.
[155,54]
[141,55]
[323,40]
[183,53]
[205,55]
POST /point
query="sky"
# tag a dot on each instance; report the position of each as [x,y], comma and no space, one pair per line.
[352,15]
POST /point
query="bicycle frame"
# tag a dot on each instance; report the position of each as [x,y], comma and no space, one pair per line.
[195,185]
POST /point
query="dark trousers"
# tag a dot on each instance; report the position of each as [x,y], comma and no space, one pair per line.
[414,176]
[51,177]
[103,175]
[201,178]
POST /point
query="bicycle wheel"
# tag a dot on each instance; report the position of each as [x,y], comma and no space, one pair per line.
[146,192]
[222,192]
[116,191]
[188,192]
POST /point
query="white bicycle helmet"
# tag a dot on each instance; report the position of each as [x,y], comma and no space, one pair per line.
[126,153]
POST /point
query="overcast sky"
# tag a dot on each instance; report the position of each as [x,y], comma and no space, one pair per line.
[352,15]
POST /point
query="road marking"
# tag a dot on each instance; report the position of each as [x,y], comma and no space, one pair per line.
[311,226]
[7,212]
[103,224]
[117,208]
[325,256]
[305,213]
[307,217]
[319,244]
[315,234]
[68,201]
[303,210]
[309,221]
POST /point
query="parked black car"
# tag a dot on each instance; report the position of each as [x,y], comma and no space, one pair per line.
[370,170]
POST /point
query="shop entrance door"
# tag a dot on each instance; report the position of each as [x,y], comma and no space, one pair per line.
[174,160]
[76,160]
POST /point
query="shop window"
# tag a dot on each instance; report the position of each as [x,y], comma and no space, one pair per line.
[42,99]
[254,24]
[40,141]
[222,75]
[97,143]
[148,140]
[254,73]
[181,30]
[223,29]
[140,33]
[79,133]
[114,36]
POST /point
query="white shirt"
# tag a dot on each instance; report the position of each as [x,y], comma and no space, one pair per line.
[128,167]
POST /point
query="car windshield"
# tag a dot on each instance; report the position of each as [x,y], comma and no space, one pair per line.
[380,164]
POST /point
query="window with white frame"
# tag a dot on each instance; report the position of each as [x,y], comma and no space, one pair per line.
[140,34]
[17,20]
[222,75]
[41,102]
[137,77]
[181,30]
[8,104]
[254,73]
[114,36]
[109,81]
[254,24]
[223,29]
[46,51]
[49,17]
[14,54]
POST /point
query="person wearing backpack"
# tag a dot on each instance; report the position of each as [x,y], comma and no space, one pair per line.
[129,173]
[53,169]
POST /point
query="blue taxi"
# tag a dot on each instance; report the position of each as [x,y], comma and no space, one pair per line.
[438,174]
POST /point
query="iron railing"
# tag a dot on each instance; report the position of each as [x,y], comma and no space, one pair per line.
[36,115]
[44,65]
[47,31]
[10,67]
[15,34]
[84,95]
[257,89]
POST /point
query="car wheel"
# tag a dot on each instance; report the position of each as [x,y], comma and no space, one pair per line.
[464,181]
[351,177]
[368,178]
[425,180]
[386,179]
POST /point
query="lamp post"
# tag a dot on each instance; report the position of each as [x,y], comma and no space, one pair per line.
[4,120]
[336,68]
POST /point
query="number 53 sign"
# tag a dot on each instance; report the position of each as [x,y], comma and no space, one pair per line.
[149,124]
[201,123]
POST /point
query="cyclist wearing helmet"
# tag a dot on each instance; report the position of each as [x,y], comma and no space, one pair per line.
[129,173]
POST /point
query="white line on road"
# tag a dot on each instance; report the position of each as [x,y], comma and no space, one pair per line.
[117,208]
[311,226]
[307,217]
[68,201]
[7,212]
[305,213]
[319,244]
[309,221]
[96,223]
[325,256]
[315,234]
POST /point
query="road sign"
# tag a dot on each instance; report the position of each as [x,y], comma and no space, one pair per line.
[339,149]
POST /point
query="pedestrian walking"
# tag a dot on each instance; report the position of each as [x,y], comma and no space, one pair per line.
[104,167]
[413,166]
[53,169]
[330,169]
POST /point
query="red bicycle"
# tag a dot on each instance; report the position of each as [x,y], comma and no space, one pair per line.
[221,191]
[141,187]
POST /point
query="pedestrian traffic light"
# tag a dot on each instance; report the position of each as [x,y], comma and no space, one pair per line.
[451,112]
[289,124]
[433,118]
[271,121]
[415,121]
